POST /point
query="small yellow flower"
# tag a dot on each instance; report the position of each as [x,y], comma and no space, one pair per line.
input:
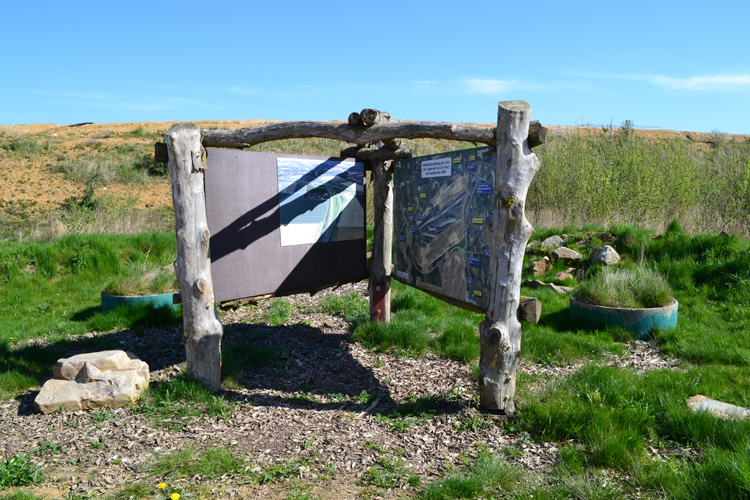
[161,486]
[175,496]
[11,338]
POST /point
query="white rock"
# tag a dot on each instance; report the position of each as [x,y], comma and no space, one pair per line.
[109,378]
[605,255]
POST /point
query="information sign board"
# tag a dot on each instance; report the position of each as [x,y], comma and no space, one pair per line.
[281,223]
[442,204]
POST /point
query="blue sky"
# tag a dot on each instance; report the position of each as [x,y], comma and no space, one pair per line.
[674,65]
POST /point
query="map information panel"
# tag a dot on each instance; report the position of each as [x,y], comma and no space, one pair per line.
[443,203]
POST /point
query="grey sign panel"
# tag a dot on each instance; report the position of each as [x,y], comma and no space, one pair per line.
[443,204]
[281,223]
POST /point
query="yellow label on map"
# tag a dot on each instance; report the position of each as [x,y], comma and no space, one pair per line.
[410,209]
[423,195]
[477,221]
[472,157]
[477,293]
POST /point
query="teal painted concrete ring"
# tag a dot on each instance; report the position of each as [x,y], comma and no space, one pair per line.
[110,302]
[639,321]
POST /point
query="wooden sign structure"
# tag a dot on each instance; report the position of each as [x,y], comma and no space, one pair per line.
[378,141]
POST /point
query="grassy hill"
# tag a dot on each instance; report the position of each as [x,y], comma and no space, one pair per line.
[102,177]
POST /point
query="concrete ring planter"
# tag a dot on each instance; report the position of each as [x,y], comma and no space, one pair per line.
[110,302]
[639,321]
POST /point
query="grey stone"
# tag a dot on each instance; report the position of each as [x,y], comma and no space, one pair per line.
[552,242]
[605,255]
[566,254]
[102,379]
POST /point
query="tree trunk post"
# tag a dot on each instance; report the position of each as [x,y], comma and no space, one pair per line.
[382,256]
[500,332]
[202,328]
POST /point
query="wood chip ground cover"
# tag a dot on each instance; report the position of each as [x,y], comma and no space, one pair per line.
[337,412]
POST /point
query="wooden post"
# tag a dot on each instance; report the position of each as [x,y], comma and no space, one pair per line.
[381,261]
[500,332]
[202,328]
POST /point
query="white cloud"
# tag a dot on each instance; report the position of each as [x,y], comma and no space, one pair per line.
[701,83]
[481,86]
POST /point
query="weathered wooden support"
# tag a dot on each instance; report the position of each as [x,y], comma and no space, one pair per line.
[500,332]
[375,155]
[381,261]
[380,131]
[202,328]
[372,117]
[355,120]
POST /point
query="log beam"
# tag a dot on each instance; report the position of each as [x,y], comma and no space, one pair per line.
[500,332]
[202,328]
[381,131]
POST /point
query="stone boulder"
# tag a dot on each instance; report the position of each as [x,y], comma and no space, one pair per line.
[552,242]
[605,255]
[562,276]
[541,266]
[100,379]
[566,254]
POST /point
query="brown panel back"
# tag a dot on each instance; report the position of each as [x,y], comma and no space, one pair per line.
[247,259]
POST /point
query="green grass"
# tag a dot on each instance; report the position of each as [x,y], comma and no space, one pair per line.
[351,307]
[190,460]
[421,323]
[279,312]
[23,145]
[634,287]
[486,477]
[18,470]
[176,403]
[54,287]
[607,177]
[144,280]
[52,290]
